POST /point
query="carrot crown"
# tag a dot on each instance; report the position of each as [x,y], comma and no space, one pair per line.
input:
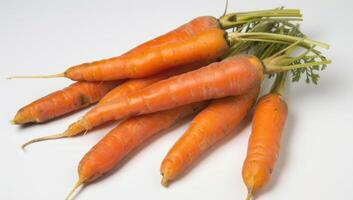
[274,41]
[279,84]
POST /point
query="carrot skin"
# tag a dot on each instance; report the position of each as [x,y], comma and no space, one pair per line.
[208,45]
[232,76]
[126,137]
[74,97]
[136,84]
[182,33]
[211,125]
[268,122]
[119,92]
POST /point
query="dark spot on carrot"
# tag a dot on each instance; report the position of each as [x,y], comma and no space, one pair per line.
[84,100]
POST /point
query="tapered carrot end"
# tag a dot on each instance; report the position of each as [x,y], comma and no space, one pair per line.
[77,184]
[165,180]
[249,196]
[50,137]
[45,76]
[13,122]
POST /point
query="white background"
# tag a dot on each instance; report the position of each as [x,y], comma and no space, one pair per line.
[42,37]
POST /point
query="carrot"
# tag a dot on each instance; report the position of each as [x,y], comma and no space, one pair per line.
[268,122]
[201,39]
[211,125]
[207,45]
[126,137]
[182,33]
[126,88]
[230,77]
[136,84]
[74,97]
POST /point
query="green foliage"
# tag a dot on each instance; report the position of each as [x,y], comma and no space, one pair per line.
[267,38]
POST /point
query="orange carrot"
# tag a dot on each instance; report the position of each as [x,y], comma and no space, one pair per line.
[268,122]
[126,137]
[211,125]
[201,39]
[136,84]
[183,32]
[192,47]
[71,98]
[128,87]
[207,45]
[230,77]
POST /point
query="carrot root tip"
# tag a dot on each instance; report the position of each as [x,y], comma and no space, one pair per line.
[249,196]
[50,137]
[165,180]
[77,184]
[45,76]
[13,122]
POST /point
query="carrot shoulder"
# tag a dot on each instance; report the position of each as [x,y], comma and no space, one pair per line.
[126,137]
[183,32]
[212,124]
[71,98]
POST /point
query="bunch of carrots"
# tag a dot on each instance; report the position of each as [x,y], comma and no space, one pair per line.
[209,67]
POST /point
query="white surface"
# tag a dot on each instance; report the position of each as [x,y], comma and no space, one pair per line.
[42,37]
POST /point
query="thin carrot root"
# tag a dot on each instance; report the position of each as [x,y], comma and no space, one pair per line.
[50,137]
[165,180]
[45,76]
[12,122]
[77,184]
[249,196]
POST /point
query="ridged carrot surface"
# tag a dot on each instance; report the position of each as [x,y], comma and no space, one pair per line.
[232,76]
[183,32]
[135,84]
[268,122]
[126,137]
[122,91]
[211,125]
[207,45]
[71,98]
